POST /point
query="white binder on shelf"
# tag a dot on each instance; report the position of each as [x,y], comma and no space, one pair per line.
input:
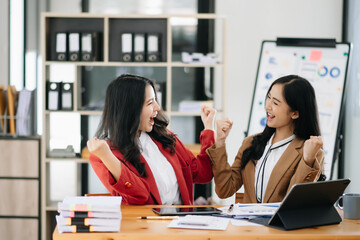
[61,46]
[139,47]
[66,96]
[127,47]
[53,95]
[153,47]
[90,46]
[74,46]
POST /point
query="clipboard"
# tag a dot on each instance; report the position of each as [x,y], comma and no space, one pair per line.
[307,205]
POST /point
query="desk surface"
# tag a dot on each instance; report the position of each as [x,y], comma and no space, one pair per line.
[133,228]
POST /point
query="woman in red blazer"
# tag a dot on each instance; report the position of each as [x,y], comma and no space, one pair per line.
[134,154]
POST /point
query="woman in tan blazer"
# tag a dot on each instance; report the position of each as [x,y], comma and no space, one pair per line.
[288,151]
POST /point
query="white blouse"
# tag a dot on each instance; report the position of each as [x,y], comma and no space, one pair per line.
[162,170]
[266,164]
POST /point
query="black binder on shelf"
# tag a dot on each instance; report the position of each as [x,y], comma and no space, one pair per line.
[66,96]
[61,46]
[90,46]
[307,205]
[74,46]
[139,47]
[53,96]
[153,47]
[127,47]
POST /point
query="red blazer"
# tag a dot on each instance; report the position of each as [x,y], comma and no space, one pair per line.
[137,190]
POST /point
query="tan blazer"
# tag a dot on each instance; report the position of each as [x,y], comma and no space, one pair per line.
[290,169]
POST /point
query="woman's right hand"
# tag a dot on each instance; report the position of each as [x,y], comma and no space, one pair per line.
[98,147]
[223,128]
[102,150]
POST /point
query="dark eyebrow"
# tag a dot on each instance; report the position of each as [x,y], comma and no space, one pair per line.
[277,100]
[149,100]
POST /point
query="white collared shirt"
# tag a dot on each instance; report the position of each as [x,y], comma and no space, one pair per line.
[266,164]
[162,170]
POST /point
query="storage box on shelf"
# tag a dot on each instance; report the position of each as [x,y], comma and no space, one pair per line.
[109,39]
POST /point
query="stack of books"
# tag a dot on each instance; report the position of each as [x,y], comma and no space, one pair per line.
[89,214]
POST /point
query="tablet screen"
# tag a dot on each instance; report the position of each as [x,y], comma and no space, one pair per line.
[186,211]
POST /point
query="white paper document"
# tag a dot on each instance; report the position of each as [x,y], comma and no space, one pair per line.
[200,222]
[249,210]
[96,204]
[242,222]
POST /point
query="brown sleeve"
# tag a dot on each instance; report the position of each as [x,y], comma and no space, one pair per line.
[228,180]
[306,173]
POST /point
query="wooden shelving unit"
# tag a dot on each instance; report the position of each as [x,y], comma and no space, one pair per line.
[109,27]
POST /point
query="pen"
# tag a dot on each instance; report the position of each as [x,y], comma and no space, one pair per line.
[192,224]
[230,208]
[159,217]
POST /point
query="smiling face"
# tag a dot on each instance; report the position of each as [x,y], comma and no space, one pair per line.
[149,111]
[279,114]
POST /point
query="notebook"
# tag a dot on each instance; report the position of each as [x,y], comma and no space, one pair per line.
[307,205]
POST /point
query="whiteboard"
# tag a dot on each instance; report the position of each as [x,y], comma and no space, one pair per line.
[325,68]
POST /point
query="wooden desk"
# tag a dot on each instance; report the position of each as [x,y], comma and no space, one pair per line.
[133,228]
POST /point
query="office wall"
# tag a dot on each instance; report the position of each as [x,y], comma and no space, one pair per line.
[352,106]
[251,22]
[64,6]
[4,42]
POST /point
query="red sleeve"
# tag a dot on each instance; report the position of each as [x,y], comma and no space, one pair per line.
[132,188]
[200,165]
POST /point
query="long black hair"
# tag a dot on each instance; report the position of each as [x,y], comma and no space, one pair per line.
[120,121]
[300,96]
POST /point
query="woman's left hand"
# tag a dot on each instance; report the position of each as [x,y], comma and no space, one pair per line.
[208,116]
[311,147]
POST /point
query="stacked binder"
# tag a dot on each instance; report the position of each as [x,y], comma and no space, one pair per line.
[89,214]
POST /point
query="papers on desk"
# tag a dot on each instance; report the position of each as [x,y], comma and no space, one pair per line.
[89,214]
[247,211]
[200,222]
[96,204]
[242,222]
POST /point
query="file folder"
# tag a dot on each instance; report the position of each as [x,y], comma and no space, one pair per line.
[90,46]
[53,95]
[25,113]
[66,96]
[61,46]
[307,205]
[12,98]
[126,47]
[153,47]
[2,107]
[139,47]
[74,46]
